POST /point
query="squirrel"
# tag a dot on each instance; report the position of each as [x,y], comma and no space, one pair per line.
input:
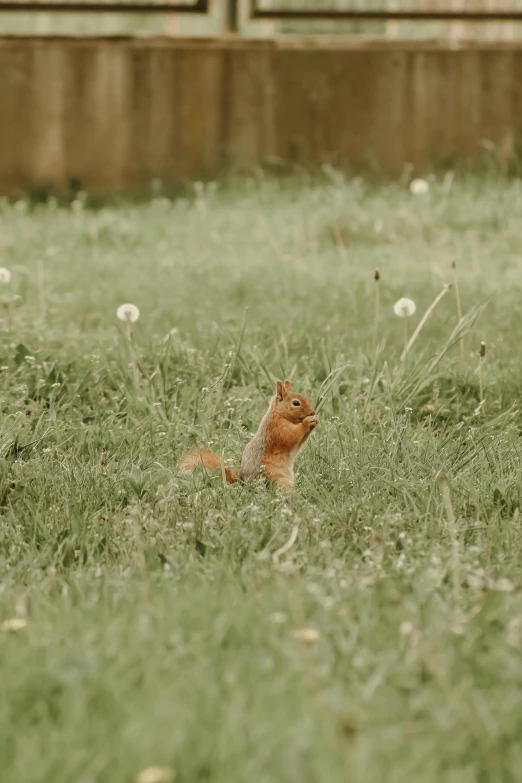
[283,431]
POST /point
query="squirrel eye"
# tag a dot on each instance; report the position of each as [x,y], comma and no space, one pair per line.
[296,403]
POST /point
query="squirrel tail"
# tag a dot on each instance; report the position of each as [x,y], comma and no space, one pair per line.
[209,461]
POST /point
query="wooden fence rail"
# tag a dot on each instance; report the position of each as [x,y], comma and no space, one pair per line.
[114,114]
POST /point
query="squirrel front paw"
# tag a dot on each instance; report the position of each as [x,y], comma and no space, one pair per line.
[311,422]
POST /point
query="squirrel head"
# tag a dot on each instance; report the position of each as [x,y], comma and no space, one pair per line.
[291,405]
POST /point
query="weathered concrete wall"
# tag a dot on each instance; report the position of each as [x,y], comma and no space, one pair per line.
[115,113]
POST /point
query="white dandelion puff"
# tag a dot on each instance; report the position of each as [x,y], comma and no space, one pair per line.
[156,775]
[404,308]
[5,275]
[14,624]
[128,313]
[419,187]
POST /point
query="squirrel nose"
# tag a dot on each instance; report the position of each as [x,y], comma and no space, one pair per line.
[312,412]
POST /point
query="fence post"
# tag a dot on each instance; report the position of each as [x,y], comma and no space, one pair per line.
[231,21]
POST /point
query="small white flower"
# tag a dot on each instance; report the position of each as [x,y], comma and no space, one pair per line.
[419,187]
[403,308]
[406,628]
[14,624]
[128,313]
[504,585]
[307,635]
[156,775]
[5,275]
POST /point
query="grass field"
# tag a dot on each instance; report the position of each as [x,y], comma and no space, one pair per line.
[385,645]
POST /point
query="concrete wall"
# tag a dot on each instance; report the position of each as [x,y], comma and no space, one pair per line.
[113,114]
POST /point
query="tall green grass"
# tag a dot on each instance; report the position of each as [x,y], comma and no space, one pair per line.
[158,628]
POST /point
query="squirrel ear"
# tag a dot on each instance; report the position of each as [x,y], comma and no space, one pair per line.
[279,390]
[288,387]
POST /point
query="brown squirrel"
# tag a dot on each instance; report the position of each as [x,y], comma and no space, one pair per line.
[283,431]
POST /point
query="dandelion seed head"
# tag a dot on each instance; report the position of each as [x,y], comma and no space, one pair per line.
[5,275]
[156,775]
[14,624]
[404,307]
[419,187]
[128,313]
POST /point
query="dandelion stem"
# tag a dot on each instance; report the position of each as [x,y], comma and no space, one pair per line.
[377,278]
[403,356]
[134,367]
[94,236]
[482,354]
[423,320]
[41,288]
[459,308]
